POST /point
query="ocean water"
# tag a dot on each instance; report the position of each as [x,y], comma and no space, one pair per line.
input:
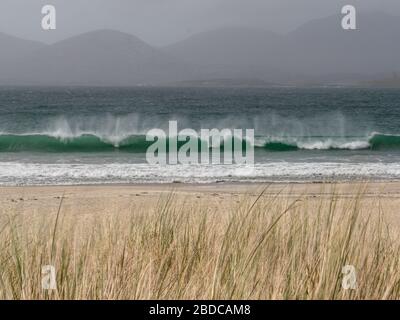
[97,135]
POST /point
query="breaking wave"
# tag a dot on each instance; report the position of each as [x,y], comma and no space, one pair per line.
[90,142]
[375,141]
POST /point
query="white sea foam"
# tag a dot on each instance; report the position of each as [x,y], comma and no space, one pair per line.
[12,173]
[332,144]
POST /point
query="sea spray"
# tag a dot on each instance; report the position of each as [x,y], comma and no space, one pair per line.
[91,142]
[197,148]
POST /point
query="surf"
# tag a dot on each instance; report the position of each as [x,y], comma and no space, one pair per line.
[81,143]
[136,143]
[374,142]
[84,143]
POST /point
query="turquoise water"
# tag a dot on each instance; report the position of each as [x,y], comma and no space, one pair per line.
[97,135]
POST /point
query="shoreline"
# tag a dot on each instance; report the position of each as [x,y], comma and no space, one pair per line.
[215,183]
[123,198]
[348,187]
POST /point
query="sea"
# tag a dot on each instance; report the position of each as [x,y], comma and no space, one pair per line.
[80,135]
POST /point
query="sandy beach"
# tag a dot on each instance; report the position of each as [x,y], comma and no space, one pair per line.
[114,199]
[212,241]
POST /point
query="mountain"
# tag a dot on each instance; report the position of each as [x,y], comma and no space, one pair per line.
[318,51]
[226,46]
[386,82]
[322,47]
[234,52]
[224,83]
[13,48]
[13,51]
[102,57]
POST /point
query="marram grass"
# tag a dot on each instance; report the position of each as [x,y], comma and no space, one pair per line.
[261,247]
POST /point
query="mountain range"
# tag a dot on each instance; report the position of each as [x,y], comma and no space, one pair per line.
[319,51]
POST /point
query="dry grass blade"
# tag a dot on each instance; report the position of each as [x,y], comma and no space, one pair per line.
[271,245]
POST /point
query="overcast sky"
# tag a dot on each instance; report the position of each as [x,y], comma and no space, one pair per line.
[161,22]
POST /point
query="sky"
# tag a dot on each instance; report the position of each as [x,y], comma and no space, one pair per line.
[162,22]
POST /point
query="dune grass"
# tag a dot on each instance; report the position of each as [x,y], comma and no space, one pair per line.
[261,247]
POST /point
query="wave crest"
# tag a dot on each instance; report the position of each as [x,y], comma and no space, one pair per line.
[90,142]
[376,141]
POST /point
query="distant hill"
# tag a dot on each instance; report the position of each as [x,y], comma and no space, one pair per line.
[227,46]
[322,47]
[14,51]
[231,53]
[319,53]
[224,83]
[388,82]
[99,58]
[13,48]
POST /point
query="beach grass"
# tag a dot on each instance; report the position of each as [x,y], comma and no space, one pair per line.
[262,246]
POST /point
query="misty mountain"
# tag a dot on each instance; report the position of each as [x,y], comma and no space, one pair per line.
[235,52]
[13,51]
[227,46]
[13,48]
[99,58]
[319,50]
[322,47]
